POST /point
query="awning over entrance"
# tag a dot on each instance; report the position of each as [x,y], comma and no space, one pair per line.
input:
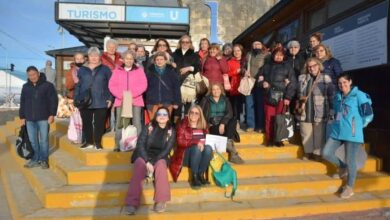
[90,23]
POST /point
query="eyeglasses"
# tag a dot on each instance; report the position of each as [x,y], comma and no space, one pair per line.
[185,42]
[162,45]
[194,113]
[162,114]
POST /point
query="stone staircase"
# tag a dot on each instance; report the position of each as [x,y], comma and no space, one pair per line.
[89,184]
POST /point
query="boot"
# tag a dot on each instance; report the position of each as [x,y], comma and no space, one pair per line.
[203,180]
[195,182]
[233,154]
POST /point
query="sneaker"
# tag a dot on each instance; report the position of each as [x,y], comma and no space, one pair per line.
[306,156]
[130,210]
[159,207]
[31,164]
[98,147]
[235,158]
[347,192]
[87,146]
[44,165]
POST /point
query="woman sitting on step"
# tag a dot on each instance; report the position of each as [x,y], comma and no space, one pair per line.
[191,150]
[218,113]
[150,160]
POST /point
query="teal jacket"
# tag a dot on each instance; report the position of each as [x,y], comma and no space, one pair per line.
[353,113]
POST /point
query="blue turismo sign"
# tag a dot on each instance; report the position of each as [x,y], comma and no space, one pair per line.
[143,14]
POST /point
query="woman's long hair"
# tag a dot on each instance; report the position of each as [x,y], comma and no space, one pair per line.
[202,124]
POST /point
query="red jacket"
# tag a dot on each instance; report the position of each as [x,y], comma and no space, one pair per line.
[184,140]
[112,64]
[213,69]
[234,76]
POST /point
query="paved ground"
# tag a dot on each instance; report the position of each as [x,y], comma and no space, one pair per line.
[4,209]
[377,214]
[7,115]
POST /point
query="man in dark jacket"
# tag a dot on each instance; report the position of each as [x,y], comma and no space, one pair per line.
[38,106]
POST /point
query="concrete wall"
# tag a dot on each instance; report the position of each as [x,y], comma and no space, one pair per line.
[233,17]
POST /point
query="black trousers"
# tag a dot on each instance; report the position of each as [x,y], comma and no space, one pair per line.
[94,124]
[230,129]
[237,102]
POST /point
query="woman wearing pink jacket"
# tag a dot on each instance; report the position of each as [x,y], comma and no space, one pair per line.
[128,77]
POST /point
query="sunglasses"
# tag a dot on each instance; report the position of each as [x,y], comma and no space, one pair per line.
[162,114]
[194,113]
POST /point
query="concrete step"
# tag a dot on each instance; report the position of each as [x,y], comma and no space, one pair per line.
[289,203]
[54,193]
[228,210]
[76,173]
[91,157]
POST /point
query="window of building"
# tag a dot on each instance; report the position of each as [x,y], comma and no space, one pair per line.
[317,17]
[336,6]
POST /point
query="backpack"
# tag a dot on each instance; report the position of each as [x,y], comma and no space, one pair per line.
[23,144]
[225,177]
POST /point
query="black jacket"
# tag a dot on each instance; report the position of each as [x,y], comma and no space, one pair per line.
[163,89]
[205,105]
[146,138]
[190,58]
[98,78]
[276,73]
[38,102]
[296,63]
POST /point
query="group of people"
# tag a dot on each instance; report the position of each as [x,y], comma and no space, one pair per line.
[310,83]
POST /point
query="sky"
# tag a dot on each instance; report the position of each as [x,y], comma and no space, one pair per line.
[27,30]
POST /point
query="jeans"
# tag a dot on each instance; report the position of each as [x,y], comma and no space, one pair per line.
[38,133]
[162,192]
[351,149]
[199,160]
[250,111]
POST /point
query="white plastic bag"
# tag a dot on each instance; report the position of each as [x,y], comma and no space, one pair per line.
[128,141]
[75,129]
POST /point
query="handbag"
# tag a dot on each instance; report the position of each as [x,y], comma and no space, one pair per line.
[23,144]
[75,129]
[201,85]
[274,96]
[225,177]
[85,99]
[246,85]
[226,82]
[301,105]
[188,89]
[284,125]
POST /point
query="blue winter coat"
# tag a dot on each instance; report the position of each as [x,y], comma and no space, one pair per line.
[100,92]
[333,68]
[38,102]
[353,113]
[163,88]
